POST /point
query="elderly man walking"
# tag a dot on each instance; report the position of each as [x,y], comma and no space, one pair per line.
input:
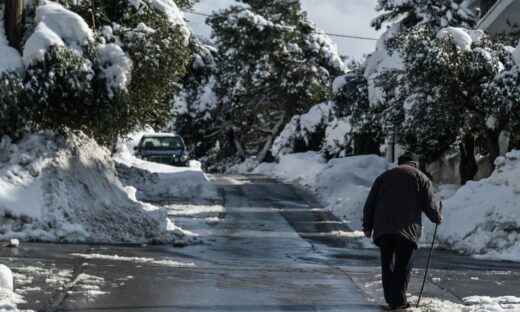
[392,216]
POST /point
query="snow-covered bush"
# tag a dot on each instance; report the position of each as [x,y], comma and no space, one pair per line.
[104,69]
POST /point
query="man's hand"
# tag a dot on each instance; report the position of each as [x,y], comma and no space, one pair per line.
[368,234]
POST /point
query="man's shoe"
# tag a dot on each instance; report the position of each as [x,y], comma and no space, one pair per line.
[400,307]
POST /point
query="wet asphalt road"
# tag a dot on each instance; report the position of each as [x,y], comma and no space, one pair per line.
[270,251]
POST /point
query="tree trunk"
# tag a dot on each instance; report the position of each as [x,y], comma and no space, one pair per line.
[14,23]
[493,146]
[233,134]
[468,164]
[261,156]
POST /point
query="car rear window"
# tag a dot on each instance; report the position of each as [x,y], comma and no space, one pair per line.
[161,143]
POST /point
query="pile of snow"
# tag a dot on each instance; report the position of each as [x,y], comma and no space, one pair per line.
[11,59]
[66,189]
[55,26]
[342,183]
[492,232]
[156,182]
[8,299]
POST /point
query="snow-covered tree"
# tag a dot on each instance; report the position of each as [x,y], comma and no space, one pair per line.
[194,109]
[403,16]
[409,13]
[273,63]
[446,92]
[352,104]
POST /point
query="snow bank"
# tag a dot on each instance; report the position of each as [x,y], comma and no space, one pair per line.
[56,26]
[342,183]
[492,232]
[8,299]
[11,60]
[154,181]
[65,189]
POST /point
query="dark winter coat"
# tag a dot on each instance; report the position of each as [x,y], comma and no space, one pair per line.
[395,203]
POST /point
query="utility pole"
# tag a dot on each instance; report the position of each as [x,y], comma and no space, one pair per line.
[14,22]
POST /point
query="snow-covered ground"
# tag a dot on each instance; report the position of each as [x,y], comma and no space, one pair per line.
[481,218]
[155,182]
[66,189]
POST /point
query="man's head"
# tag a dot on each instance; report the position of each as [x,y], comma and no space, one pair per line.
[408,158]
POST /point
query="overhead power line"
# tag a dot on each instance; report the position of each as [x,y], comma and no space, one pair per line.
[332,35]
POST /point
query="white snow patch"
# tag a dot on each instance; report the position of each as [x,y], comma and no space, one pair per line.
[141,260]
[56,26]
[116,67]
[462,38]
[169,9]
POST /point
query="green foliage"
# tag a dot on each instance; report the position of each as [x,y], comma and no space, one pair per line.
[60,90]
[13,112]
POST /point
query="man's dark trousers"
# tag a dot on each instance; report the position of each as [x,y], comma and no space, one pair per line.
[396,263]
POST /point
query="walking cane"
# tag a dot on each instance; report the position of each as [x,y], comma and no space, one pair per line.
[429,258]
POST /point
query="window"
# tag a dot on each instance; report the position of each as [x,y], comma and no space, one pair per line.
[162,143]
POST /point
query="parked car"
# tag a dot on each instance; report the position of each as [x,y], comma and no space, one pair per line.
[164,148]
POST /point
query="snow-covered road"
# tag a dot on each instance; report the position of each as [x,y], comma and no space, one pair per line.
[268,246]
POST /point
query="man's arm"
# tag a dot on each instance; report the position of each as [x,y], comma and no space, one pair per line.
[428,204]
[368,210]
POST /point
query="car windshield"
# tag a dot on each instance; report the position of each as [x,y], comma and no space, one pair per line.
[162,143]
